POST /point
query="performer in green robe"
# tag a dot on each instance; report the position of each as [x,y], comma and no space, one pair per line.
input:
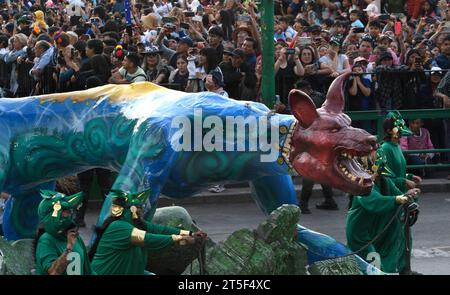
[59,249]
[123,241]
[370,215]
[394,128]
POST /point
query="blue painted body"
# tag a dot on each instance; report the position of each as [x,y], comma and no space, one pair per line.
[46,138]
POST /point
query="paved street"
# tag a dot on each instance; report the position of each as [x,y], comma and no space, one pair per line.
[431,233]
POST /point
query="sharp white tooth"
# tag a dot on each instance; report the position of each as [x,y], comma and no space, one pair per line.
[344,155]
[361,181]
[346,172]
[343,169]
[353,178]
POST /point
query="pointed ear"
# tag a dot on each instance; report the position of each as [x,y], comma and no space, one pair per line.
[46,194]
[75,200]
[334,102]
[143,196]
[302,107]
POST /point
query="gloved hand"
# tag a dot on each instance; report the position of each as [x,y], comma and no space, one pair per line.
[413,192]
[186,240]
[402,199]
[200,234]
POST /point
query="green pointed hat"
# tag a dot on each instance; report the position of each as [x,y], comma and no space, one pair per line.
[132,199]
[125,200]
[51,207]
[380,164]
[399,123]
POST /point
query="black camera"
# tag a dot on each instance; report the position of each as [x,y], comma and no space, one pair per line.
[60,59]
[290,51]
[73,53]
[129,30]
[184,26]
[384,17]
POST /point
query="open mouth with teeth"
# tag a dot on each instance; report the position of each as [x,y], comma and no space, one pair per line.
[354,167]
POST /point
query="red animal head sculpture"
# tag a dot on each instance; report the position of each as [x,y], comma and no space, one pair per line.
[325,148]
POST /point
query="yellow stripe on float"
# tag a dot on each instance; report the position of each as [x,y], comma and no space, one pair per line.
[114,92]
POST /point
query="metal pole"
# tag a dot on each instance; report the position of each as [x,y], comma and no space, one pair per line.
[407,269]
[268,52]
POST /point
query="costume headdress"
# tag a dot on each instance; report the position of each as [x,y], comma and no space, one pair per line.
[51,207]
[399,125]
[125,201]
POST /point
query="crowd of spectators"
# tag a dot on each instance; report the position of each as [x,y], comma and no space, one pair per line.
[398,50]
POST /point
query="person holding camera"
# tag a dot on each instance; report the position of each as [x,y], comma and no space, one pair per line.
[287,60]
[67,61]
[59,249]
[66,52]
[184,44]
[314,71]
[239,78]
[337,61]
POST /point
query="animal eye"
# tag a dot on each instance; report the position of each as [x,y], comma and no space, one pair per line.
[335,130]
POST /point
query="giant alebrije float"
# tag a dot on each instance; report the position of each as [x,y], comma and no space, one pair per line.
[129,129]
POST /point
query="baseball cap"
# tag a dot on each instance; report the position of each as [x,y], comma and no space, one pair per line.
[436,71]
[187,40]
[24,19]
[152,50]
[360,59]
[337,39]
[228,49]
[239,53]
[218,78]
[385,36]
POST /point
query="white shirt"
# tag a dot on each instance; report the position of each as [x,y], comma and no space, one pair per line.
[341,58]
[163,9]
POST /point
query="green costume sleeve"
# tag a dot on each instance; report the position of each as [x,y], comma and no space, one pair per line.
[155,242]
[377,203]
[161,229]
[400,183]
[397,163]
[393,189]
[151,241]
[46,254]
[87,264]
